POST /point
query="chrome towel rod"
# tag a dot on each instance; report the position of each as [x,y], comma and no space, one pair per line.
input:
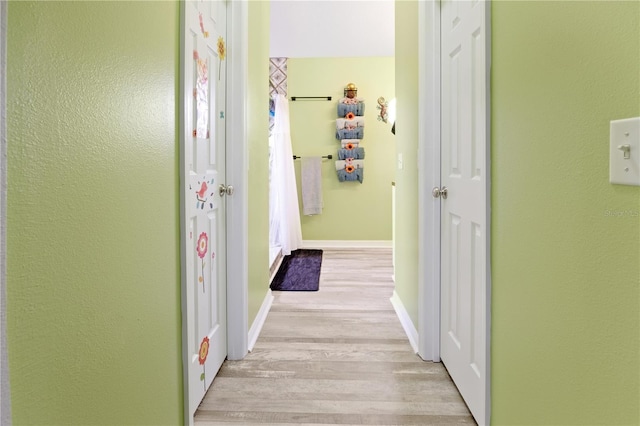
[300,98]
[329,157]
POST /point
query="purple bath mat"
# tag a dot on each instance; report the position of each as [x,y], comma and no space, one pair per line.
[299,271]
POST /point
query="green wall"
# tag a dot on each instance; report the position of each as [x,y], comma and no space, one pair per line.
[352,211]
[406,221]
[565,242]
[258,135]
[93,286]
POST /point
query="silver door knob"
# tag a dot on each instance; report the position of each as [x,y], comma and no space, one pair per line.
[224,189]
[444,192]
[438,192]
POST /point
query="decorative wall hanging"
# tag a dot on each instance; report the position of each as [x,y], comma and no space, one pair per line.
[277,84]
[350,131]
[383,106]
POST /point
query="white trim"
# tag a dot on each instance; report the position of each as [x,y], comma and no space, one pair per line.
[258,323]
[330,244]
[237,176]
[487,14]
[188,418]
[428,178]
[5,394]
[275,266]
[405,320]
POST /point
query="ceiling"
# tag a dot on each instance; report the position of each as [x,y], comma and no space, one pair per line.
[329,28]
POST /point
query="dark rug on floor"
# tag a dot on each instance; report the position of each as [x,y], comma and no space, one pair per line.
[299,271]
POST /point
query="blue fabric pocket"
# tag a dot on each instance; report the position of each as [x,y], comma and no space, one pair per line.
[355,153]
[356,175]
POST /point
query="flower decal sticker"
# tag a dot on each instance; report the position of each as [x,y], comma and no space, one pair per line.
[349,168]
[349,146]
[201,248]
[203,242]
[350,116]
[204,350]
[202,358]
[222,51]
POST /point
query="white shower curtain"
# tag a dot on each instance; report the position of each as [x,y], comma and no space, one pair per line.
[284,213]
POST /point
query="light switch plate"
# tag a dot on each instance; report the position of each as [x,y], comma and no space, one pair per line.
[624,141]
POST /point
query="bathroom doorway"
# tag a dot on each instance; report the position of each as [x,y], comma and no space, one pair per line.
[311,62]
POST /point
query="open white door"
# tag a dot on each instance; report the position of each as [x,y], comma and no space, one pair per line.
[203,196]
[464,328]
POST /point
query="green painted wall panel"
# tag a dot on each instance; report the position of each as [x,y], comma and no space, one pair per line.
[565,242]
[406,256]
[258,134]
[93,290]
[352,211]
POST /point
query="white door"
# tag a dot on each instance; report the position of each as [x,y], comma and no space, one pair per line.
[203,205]
[463,329]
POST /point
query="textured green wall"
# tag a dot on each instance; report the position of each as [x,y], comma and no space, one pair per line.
[406,256]
[258,134]
[352,211]
[93,289]
[565,242]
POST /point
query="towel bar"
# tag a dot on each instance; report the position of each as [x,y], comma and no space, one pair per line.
[295,98]
[295,157]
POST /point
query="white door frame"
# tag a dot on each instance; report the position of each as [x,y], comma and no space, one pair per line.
[238,176]
[429,177]
[5,412]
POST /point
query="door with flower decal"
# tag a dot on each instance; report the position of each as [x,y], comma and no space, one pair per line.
[203,222]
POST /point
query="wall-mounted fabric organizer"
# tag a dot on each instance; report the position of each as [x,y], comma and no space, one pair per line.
[311,98]
[350,131]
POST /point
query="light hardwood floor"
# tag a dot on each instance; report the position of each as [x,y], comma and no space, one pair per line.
[336,356]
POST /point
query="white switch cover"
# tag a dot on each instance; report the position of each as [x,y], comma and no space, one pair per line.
[624,142]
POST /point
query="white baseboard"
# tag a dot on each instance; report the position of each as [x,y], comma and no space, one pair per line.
[256,327]
[328,244]
[405,320]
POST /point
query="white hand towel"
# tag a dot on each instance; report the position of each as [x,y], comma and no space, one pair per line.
[343,123]
[311,174]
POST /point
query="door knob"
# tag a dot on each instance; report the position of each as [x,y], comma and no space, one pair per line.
[437,192]
[224,189]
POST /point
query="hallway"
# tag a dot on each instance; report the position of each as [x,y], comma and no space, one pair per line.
[336,356]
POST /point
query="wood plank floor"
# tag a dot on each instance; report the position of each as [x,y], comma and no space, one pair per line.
[336,356]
